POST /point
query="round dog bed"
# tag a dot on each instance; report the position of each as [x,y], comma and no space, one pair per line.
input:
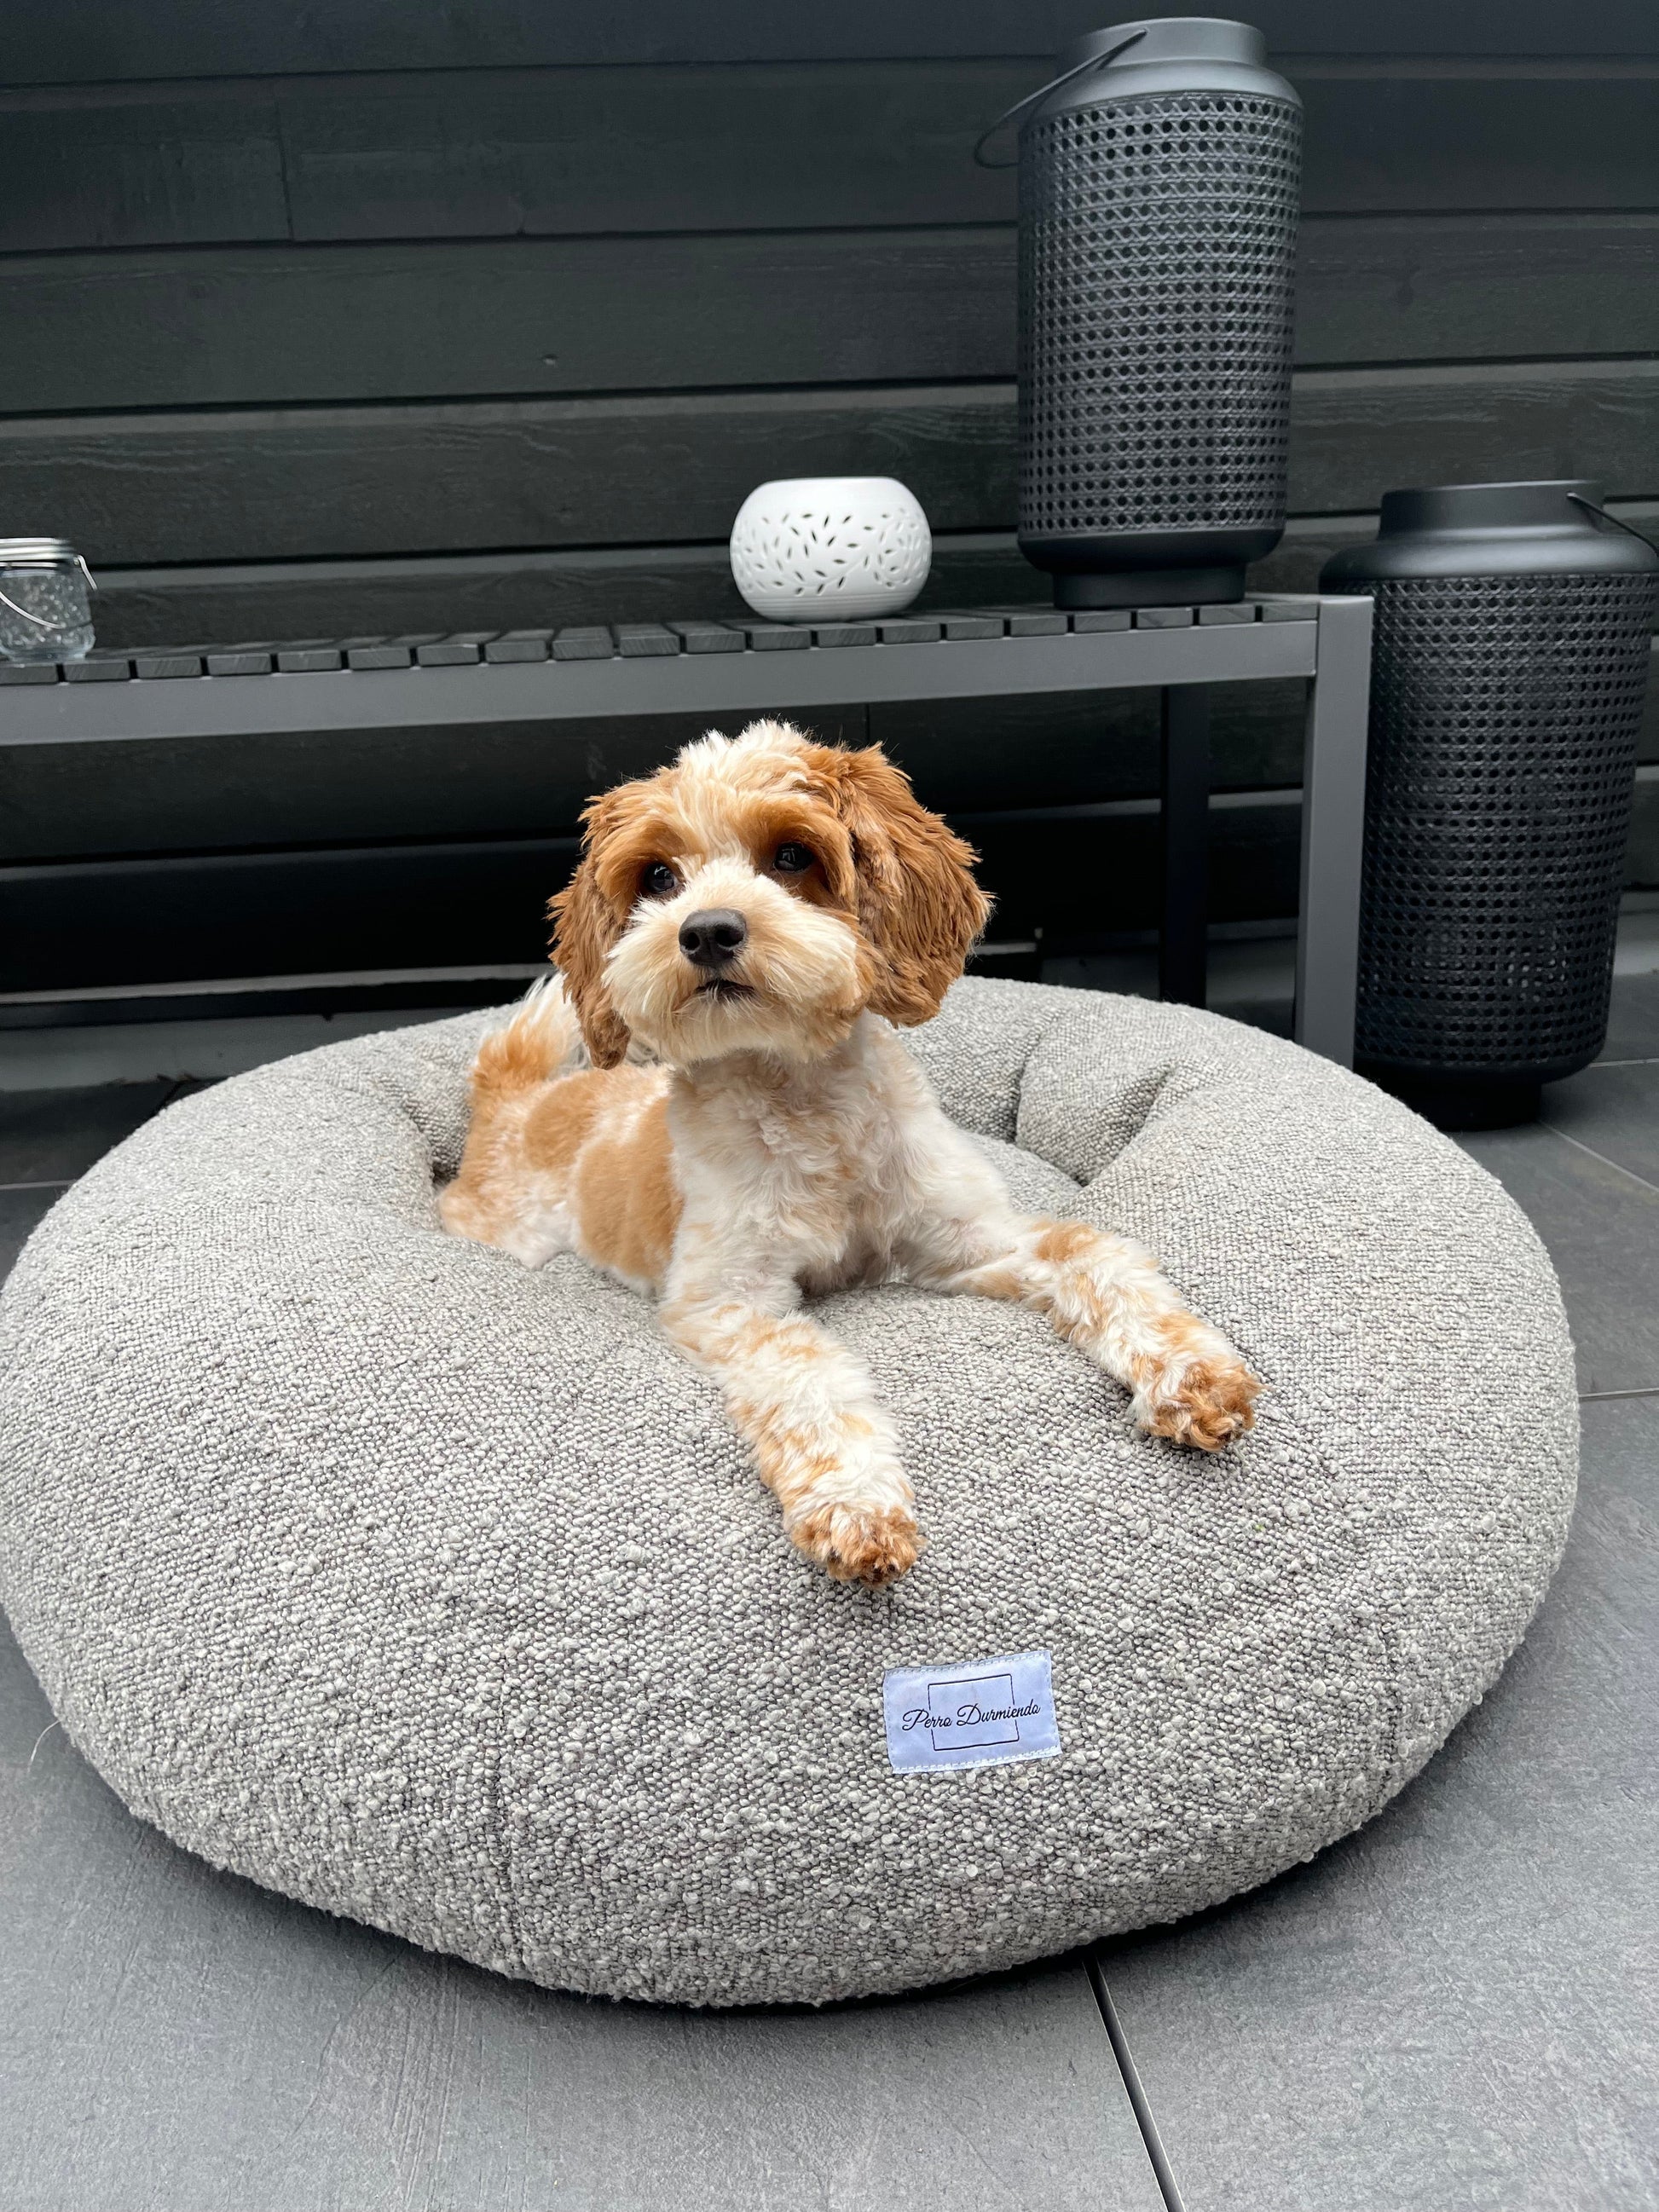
[438,1592]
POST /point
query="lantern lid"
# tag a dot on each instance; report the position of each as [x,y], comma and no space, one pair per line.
[1164,54]
[1551,528]
[37,553]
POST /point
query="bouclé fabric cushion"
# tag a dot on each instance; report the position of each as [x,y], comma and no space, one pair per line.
[438,1592]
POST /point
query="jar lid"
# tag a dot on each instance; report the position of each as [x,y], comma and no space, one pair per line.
[36,552]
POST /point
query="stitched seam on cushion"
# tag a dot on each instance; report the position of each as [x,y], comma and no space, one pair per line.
[1355,1552]
[1391,1779]
[497,1829]
[506,1571]
[1360,1573]
[1360,1580]
[1361,1555]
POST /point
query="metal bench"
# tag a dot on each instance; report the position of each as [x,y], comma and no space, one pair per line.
[725,669]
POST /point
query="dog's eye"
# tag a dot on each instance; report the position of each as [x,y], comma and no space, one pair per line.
[792,859]
[658,881]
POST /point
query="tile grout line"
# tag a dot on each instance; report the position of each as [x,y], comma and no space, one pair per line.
[1590,1152]
[59,1182]
[1159,2158]
[1601,1397]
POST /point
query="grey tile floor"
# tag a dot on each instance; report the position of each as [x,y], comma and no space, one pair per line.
[1459,2007]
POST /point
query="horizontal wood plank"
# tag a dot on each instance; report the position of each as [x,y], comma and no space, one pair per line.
[501,780]
[1425,288]
[480,154]
[441,593]
[343,481]
[510,153]
[511,779]
[410,906]
[507,590]
[312,598]
[177,167]
[338,481]
[270,326]
[276,326]
[140,921]
[1641,852]
[1358,433]
[113,40]
[293,913]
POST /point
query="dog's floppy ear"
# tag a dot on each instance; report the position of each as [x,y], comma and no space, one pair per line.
[917,901]
[586,925]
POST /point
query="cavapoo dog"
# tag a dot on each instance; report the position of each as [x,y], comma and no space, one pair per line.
[746,932]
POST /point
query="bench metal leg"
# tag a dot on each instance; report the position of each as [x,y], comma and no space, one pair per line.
[1185,915]
[1333,832]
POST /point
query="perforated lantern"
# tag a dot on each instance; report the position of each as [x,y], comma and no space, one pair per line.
[1508,673]
[1159,177]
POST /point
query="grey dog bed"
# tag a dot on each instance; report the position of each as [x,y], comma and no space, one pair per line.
[438,1592]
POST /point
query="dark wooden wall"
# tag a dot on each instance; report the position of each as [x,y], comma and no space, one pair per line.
[433,314]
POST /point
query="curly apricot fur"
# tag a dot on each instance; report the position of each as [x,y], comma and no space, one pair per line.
[785,1144]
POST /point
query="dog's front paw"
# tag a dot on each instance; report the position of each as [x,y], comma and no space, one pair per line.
[1205,1402]
[870,1544]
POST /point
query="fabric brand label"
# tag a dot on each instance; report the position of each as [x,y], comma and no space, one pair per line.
[987,1712]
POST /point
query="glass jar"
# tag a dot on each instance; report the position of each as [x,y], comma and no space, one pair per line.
[45,612]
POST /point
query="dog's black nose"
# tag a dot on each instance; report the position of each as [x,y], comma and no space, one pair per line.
[714,938]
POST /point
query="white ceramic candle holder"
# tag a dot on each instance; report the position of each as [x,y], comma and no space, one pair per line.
[815,549]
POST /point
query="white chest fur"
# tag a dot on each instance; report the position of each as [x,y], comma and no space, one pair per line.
[816,1165]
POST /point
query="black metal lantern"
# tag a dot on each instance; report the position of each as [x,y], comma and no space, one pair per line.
[1159,179]
[1509,670]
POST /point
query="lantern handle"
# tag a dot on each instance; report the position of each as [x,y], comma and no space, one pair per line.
[40,622]
[1093,62]
[1601,515]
